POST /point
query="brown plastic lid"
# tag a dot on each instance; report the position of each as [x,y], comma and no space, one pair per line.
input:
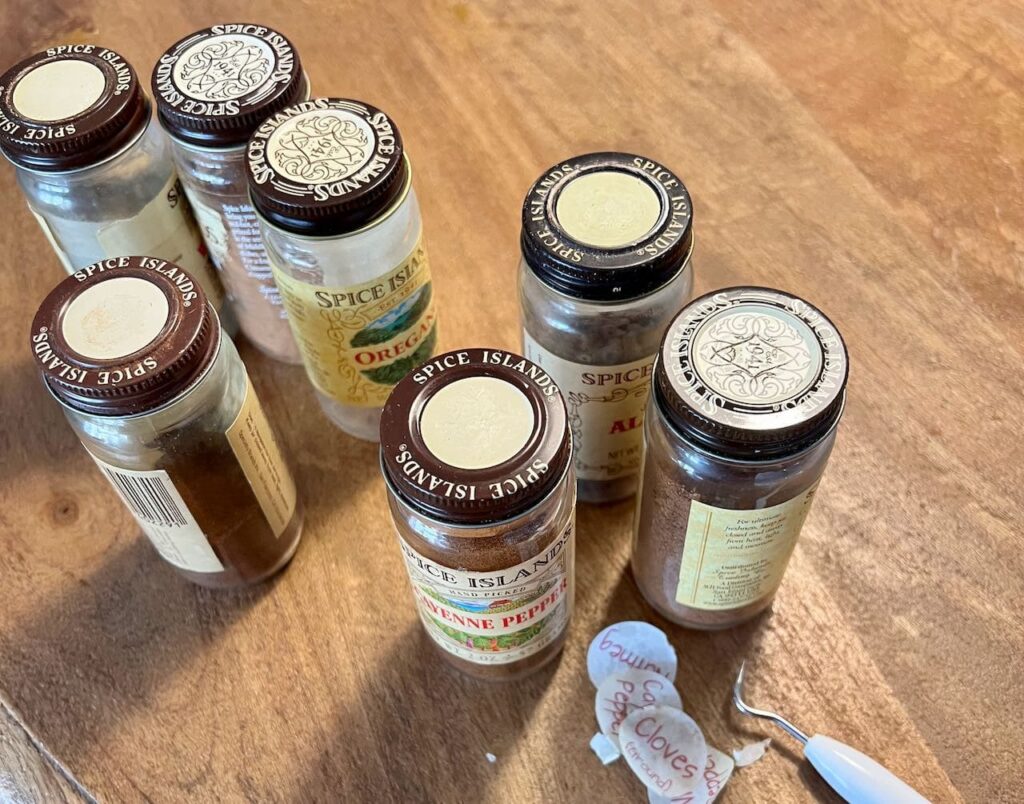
[475,436]
[607,227]
[215,86]
[69,107]
[124,336]
[327,166]
[751,373]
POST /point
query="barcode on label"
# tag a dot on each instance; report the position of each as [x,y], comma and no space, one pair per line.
[148,498]
[164,517]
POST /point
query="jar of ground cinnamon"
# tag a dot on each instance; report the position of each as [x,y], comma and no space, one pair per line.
[748,391]
[213,88]
[133,351]
[476,454]
[606,245]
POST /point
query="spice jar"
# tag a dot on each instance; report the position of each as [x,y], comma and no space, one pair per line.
[749,387]
[606,246]
[97,176]
[332,186]
[476,455]
[212,89]
[134,353]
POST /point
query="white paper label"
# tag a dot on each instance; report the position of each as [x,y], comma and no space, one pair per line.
[495,617]
[625,691]
[606,410]
[163,516]
[665,748]
[632,644]
[164,228]
[717,771]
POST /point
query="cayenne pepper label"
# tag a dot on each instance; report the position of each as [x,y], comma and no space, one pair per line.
[495,617]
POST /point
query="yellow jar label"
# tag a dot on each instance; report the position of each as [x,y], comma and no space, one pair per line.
[358,342]
[260,457]
[733,558]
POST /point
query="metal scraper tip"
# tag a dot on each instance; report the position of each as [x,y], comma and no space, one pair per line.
[737,698]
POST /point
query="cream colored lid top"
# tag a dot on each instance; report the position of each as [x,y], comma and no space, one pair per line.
[477,422]
[115,318]
[58,90]
[607,209]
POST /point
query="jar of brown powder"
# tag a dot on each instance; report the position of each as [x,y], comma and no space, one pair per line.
[749,387]
[606,246]
[476,454]
[134,353]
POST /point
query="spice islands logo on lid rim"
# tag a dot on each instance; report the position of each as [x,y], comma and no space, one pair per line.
[215,86]
[752,366]
[327,166]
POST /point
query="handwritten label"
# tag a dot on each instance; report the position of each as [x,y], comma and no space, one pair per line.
[623,692]
[630,645]
[665,749]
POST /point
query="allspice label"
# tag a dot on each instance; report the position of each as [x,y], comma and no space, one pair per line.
[606,410]
[357,342]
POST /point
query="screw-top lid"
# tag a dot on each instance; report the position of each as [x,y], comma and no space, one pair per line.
[326,167]
[124,336]
[215,86]
[70,107]
[475,436]
[751,373]
[607,226]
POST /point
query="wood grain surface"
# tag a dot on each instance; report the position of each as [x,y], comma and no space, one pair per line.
[867,156]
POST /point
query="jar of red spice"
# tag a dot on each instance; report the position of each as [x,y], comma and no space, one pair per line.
[749,388]
[477,457]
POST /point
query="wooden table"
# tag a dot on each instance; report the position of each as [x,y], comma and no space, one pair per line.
[868,158]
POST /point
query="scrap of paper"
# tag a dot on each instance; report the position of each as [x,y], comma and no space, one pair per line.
[630,645]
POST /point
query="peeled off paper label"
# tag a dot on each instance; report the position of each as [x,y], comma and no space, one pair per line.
[665,749]
[630,645]
[623,692]
[717,771]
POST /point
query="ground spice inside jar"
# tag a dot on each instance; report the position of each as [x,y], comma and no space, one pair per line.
[476,454]
[606,245]
[748,391]
[134,353]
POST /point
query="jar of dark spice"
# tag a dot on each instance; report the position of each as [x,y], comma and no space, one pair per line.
[212,89]
[749,388]
[134,353]
[97,176]
[476,455]
[606,247]
[332,185]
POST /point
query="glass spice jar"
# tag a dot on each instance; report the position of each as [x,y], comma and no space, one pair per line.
[749,388]
[332,186]
[134,354]
[606,245]
[476,455]
[99,179]
[212,89]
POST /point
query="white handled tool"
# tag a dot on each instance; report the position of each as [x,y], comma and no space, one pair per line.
[854,776]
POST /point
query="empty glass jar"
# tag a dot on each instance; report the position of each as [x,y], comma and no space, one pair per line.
[212,89]
[97,175]
[606,245]
[333,189]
